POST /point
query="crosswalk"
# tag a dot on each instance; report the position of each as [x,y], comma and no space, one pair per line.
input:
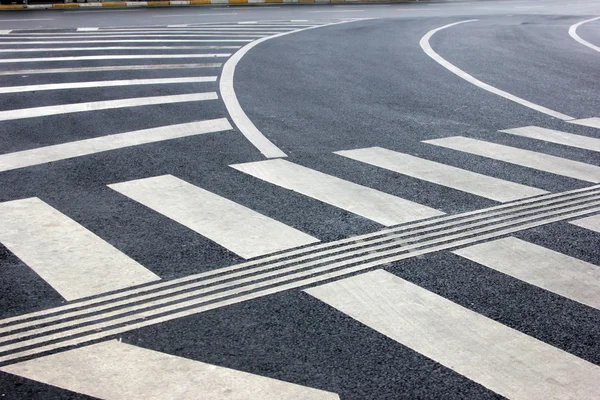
[110,292]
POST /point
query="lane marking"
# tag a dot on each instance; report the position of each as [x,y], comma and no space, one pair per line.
[525,158]
[239,229]
[26,19]
[192,16]
[205,28]
[55,49]
[131,41]
[74,261]
[224,31]
[103,105]
[574,35]
[442,174]
[239,117]
[335,11]
[424,42]
[116,370]
[46,154]
[130,35]
[372,204]
[592,223]
[5,32]
[591,122]
[559,137]
[111,68]
[500,358]
[94,84]
[558,273]
[112,57]
[87,29]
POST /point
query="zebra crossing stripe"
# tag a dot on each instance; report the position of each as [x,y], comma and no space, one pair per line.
[591,122]
[42,155]
[368,203]
[235,227]
[525,158]
[551,135]
[70,258]
[110,48]
[126,41]
[558,273]
[442,174]
[112,57]
[592,223]
[102,105]
[116,370]
[500,358]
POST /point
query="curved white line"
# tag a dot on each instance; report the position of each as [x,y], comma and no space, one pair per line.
[469,78]
[574,35]
[239,117]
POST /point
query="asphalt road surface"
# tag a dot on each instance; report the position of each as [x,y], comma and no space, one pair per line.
[386,201]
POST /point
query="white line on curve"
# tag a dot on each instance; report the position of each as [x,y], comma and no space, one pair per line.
[574,35]
[469,78]
[239,117]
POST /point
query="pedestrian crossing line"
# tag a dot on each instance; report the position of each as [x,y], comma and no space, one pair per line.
[94,84]
[526,158]
[591,122]
[211,31]
[112,57]
[110,68]
[47,154]
[111,48]
[70,258]
[442,174]
[558,273]
[116,370]
[592,223]
[368,203]
[8,40]
[127,41]
[553,136]
[444,225]
[205,28]
[103,105]
[143,316]
[502,359]
[241,230]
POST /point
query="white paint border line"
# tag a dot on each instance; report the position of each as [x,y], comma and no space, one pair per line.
[424,43]
[111,68]
[574,35]
[112,48]
[112,57]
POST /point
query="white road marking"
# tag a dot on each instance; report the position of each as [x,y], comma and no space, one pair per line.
[94,84]
[469,78]
[5,32]
[526,158]
[87,29]
[111,68]
[26,19]
[112,57]
[558,273]
[69,257]
[336,11]
[129,48]
[233,226]
[103,105]
[368,203]
[132,41]
[574,35]
[190,16]
[592,223]
[591,122]
[130,35]
[42,155]
[504,360]
[99,11]
[553,136]
[231,29]
[247,22]
[442,174]
[239,117]
[116,370]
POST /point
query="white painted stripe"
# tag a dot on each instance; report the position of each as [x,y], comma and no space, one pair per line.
[591,122]
[574,35]
[116,370]
[233,29]
[553,136]
[442,174]
[26,19]
[112,57]
[233,226]
[526,158]
[247,22]
[469,78]
[95,84]
[5,32]
[252,32]
[51,49]
[189,16]
[42,155]
[239,117]
[103,105]
[131,41]
[366,202]
[500,358]
[111,68]
[558,273]
[127,35]
[86,29]
[592,223]
[70,258]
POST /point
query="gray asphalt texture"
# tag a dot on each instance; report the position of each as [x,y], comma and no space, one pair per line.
[342,87]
